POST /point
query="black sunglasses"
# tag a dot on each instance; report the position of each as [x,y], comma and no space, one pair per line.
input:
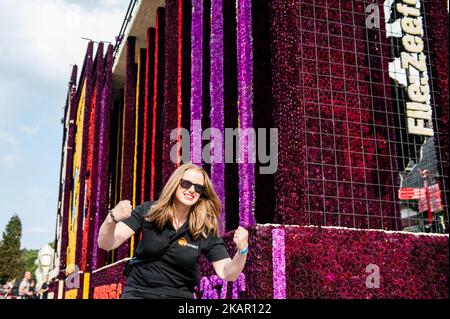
[188,184]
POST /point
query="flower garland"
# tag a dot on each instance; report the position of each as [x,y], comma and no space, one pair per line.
[98,256]
[158,104]
[126,187]
[180,79]
[246,169]
[92,167]
[135,200]
[196,81]
[82,199]
[136,173]
[217,106]
[147,121]
[89,179]
[172,94]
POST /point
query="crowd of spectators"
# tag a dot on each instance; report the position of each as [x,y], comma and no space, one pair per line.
[25,289]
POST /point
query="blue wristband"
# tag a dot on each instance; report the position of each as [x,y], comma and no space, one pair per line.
[244,251]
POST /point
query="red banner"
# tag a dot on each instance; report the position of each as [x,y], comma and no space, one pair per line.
[429,198]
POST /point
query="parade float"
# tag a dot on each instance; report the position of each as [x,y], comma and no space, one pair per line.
[357,206]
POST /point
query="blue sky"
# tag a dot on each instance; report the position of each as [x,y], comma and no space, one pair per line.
[40,40]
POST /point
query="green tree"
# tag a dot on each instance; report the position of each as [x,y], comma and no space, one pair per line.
[28,258]
[11,264]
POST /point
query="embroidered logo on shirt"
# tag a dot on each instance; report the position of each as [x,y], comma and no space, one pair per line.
[184,243]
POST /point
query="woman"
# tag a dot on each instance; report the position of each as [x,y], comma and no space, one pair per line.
[32,289]
[43,292]
[176,229]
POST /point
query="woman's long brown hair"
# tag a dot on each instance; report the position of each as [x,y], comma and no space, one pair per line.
[203,216]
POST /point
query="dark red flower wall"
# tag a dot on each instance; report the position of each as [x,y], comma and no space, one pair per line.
[350,146]
[332,263]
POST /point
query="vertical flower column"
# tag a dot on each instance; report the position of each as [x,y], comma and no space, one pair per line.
[77,194]
[147,120]
[62,234]
[92,159]
[245,100]
[172,94]
[217,107]
[180,68]
[138,127]
[126,189]
[290,180]
[82,250]
[101,199]
[186,76]
[197,77]
[206,76]
[158,104]
[171,103]
[81,207]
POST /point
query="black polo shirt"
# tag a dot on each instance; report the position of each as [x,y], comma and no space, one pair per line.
[176,272]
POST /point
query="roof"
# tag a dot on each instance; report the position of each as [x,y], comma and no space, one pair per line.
[143,17]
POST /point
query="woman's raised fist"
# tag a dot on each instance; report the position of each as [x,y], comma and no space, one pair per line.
[122,210]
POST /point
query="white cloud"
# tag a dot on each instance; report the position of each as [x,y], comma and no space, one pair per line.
[42,42]
[9,140]
[46,35]
[10,160]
